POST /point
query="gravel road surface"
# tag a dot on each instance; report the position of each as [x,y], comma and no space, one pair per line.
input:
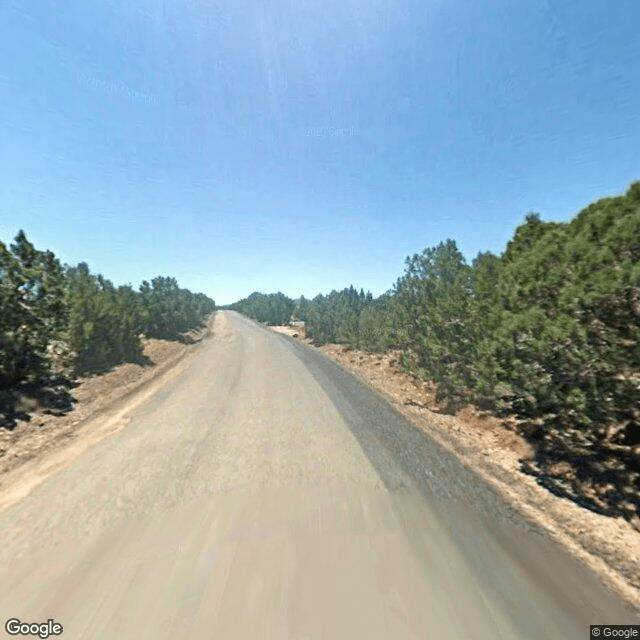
[264,492]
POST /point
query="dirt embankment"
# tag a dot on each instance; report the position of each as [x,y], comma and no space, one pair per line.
[42,433]
[493,448]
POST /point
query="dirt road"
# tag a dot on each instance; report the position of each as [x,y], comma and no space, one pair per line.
[266,493]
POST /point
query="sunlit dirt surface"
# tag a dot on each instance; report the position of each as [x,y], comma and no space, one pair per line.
[491,446]
[264,492]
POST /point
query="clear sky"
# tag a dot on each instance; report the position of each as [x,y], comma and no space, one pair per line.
[304,146]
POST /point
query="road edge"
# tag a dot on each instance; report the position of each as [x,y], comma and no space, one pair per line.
[495,476]
[19,481]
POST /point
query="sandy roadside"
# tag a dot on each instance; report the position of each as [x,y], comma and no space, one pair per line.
[96,397]
[491,447]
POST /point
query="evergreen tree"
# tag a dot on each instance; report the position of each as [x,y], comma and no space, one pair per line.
[50,315]
[434,300]
[33,311]
[273,308]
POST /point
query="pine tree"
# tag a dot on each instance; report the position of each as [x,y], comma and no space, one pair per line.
[33,311]
[434,300]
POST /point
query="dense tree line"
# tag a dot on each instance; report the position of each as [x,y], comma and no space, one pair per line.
[52,314]
[335,317]
[549,328]
[273,308]
[168,310]
[549,331]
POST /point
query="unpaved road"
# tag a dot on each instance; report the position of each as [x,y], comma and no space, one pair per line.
[266,493]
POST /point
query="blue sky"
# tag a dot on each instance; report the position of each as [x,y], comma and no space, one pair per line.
[301,147]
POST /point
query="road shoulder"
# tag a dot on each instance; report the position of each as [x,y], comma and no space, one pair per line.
[45,443]
[491,448]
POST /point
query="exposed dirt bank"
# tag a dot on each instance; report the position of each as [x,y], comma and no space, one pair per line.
[94,395]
